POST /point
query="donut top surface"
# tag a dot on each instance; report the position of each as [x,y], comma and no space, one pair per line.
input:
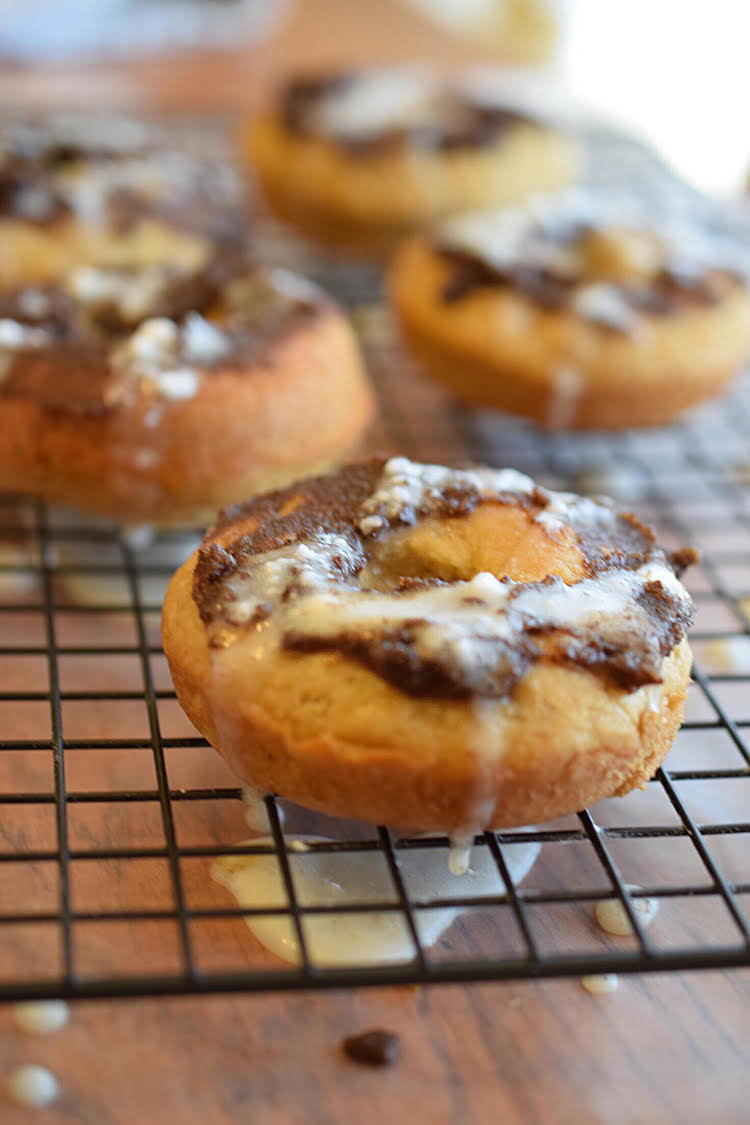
[382,562]
[110,173]
[108,336]
[607,259]
[382,108]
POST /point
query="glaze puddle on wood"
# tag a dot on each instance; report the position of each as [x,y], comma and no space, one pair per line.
[601,984]
[611,916]
[40,1017]
[334,879]
[32,1086]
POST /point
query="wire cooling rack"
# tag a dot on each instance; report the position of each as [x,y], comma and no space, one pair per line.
[113,811]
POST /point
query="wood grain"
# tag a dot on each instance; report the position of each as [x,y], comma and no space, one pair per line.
[659,1050]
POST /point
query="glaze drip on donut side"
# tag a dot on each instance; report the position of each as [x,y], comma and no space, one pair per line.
[105,337]
[605,259]
[300,571]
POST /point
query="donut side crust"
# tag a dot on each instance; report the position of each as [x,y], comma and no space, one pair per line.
[496,347]
[330,734]
[344,197]
[302,408]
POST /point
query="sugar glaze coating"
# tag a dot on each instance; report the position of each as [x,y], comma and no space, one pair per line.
[312,589]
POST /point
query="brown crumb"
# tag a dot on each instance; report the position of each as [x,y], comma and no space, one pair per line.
[374,1048]
[683,558]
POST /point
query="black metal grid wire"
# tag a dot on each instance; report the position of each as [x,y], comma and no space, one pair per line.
[112,809]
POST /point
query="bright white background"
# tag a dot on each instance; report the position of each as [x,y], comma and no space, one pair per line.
[676,70]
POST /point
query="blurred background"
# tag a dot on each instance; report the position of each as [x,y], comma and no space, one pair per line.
[672,71]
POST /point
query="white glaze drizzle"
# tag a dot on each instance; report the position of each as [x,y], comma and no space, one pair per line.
[568,384]
[256,810]
[525,89]
[464,621]
[202,341]
[580,511]
[604,304]
[653,695]
[14,335]
[291,285]
[459,854]
[406,488]
[153,355]
[87,185]
[379,99]
[103,168]
[531,235]
[310,589]
[34,303]
[107,134]
[372,102]
[133,293]
[166,358]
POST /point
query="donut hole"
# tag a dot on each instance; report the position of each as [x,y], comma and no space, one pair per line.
[502,539]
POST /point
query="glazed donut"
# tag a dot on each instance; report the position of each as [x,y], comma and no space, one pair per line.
[361,158]
[155,395]
[107,191]
[578,311]
[437,649]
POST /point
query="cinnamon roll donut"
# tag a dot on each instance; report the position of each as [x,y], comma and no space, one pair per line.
[438,649]
[156,394]
[362,158]
[581,310]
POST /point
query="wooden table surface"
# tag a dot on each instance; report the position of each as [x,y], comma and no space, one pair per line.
[661,1049]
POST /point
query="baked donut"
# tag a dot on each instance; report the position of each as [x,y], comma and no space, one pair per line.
[155,395]
[578,311]
[107,191]
[431,648]
[362,158]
